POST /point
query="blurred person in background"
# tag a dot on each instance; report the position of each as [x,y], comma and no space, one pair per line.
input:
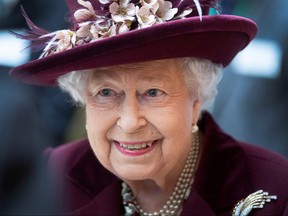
[31,118]
[253,98]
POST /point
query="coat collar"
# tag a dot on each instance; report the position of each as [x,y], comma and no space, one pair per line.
[212,191]
[107,202]
[89,175]
[195,205]
[222,177]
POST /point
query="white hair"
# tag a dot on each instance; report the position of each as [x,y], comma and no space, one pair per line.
[202,78]
[200,75]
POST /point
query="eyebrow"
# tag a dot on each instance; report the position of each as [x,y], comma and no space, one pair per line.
[102,75]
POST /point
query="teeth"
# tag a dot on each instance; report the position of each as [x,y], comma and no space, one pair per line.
[137,146]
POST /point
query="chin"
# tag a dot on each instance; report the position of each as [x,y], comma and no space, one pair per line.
[133,174]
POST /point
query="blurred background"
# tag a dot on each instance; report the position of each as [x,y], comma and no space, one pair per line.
[31,117]
[252,103]
[251,106]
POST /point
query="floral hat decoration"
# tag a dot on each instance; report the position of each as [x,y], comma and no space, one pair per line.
[113,32]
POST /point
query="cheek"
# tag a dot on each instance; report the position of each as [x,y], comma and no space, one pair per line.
[175,123]
[98,126]
[176,116]
[99,122]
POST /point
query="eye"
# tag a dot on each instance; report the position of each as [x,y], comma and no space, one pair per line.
[103,97]
[153,92]
[106,92]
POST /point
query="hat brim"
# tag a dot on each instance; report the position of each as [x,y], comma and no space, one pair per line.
[217,38]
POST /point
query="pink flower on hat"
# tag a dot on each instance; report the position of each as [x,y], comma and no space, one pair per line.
[85,14]
[164,11]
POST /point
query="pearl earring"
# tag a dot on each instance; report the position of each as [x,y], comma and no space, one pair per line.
[195,128]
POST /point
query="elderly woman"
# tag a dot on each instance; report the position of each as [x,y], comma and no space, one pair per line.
[145,71]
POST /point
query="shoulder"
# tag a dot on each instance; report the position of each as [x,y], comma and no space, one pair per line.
[268,171]
[67,152]
[259,155]
[267,168]
[69,148]
[76,173]
[258,158]
[62,158]
[241,168]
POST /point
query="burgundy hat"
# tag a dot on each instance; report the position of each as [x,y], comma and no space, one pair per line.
[114,32]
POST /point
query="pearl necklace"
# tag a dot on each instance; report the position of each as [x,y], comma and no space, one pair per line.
[181,191]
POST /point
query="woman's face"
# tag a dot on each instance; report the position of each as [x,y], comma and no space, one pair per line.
[139,119]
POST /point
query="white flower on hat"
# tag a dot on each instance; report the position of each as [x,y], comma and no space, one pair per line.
[113,17]
[149,3]
[66,40]
[124,27]
[104,28]
[145,17]
[84,14]
[105,1]
[165,12]
[123,11]
[94,32]
[84,31]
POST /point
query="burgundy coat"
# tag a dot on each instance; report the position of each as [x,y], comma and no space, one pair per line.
[228,172]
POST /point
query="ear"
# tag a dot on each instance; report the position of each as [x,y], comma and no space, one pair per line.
[197,107]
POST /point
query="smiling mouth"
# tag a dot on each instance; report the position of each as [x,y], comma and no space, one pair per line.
[136,146]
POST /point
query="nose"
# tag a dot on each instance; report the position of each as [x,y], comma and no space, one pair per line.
[131,118]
